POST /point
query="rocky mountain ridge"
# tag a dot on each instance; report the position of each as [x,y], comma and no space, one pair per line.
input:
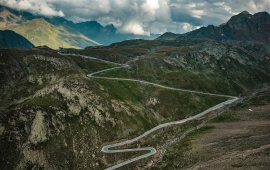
[241,27]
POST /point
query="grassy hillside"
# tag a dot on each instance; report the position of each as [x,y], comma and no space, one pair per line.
[63,117]
[7,18]
[237,139]
[220,67]
[40,32]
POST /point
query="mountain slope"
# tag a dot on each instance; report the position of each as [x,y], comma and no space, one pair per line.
[204,65]
[52,109]
[241,27]
[105,35]
[87,33]
[52,116]
[10,39]
[40,32]
[91,29]
[168,36]
[49,106]
[7,18]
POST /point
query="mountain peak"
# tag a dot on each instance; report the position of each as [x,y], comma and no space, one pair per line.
[244,13]
[7,18]
[241,27]
[167,36]
[262,14]
[39,22]
[4,12]
[240,17]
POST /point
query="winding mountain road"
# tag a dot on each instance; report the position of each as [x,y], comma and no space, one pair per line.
[152,150]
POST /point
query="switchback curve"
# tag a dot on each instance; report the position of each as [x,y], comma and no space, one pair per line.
[152,150]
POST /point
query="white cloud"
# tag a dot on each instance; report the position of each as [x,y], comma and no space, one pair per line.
[34,6]
[135,28]
[188,27]
[143,16]
[151,6]
[198,13]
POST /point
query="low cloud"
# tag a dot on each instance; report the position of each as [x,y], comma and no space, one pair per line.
[143,16]
[188,27]
[33,6]
[135,28]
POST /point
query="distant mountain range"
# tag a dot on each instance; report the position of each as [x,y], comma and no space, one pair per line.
[10,39]
[241,27]
[39,31]
[105,35]
[58,32]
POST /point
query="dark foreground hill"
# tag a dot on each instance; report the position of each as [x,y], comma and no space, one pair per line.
[10,39]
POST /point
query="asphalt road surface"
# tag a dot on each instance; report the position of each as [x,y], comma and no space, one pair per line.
[152,150]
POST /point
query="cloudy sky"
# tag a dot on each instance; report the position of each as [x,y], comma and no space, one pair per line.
[143,16]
